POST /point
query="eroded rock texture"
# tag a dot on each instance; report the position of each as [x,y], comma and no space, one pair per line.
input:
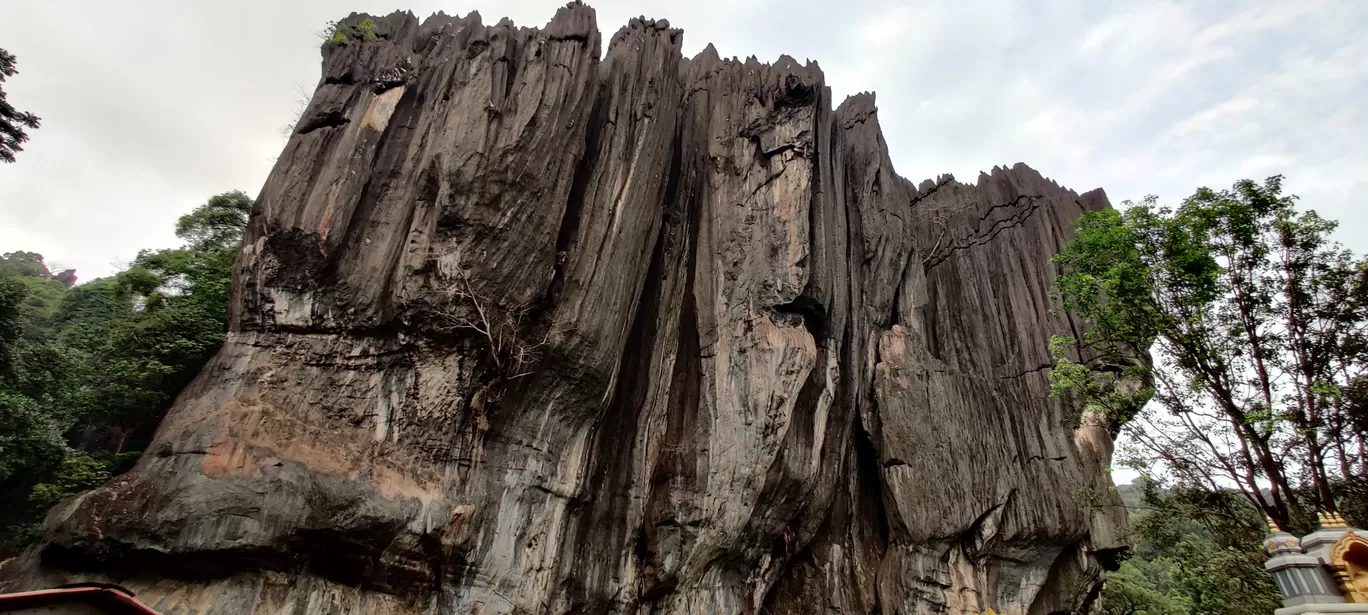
[524,327]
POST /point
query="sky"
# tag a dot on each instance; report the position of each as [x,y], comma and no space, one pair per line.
[149,107]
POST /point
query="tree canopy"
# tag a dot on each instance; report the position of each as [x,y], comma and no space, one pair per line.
[1258,326]
[14,124]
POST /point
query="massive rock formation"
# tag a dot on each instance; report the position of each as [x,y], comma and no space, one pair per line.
[523,327]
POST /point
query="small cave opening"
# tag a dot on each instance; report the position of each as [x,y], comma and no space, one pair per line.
[812,313]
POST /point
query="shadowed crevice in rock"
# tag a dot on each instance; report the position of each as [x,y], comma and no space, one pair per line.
[570,221]
[331,119]
[810,314]
[526,326]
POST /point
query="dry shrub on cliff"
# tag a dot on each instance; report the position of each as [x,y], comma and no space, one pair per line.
[514,342]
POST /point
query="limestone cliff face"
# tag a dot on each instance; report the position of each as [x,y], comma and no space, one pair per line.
[521,326]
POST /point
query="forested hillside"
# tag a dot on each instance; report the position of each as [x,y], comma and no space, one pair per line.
[87,371]
[1195,553]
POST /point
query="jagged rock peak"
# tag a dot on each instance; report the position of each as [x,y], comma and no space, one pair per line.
[518,327]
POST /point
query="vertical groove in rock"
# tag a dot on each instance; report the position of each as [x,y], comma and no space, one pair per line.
[524,327]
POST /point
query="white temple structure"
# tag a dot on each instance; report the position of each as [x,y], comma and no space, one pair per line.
[1325,571]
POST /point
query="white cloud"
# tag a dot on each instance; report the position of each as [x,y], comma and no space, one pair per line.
[887,26]
[148,111]
[1259,166]
[1207,119]
[1101,34]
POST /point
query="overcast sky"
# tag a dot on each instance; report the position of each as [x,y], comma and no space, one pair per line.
[149,107]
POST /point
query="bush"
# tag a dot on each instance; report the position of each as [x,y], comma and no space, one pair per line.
[23,535]
[344,34]
[79,473]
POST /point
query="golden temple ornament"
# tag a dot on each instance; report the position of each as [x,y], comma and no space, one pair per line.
[1349,563]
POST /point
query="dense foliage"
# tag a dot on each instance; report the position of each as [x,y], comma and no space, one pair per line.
[1197,552]
[14,124]
[1227,339]
[86,372]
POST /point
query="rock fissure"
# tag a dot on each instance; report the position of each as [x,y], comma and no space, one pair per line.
[1034,370]
[927,193]
[1015,219]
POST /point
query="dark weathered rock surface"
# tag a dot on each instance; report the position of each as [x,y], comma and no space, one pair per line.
[524,327]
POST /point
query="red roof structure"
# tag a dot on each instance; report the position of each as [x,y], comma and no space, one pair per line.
[102,598]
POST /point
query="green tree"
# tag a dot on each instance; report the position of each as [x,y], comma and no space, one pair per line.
[1142,588]
[30,437]
[88,312]
[1257,324]
[218,224]
[145,356]
[86,373]
[13,123]
[49,378]
[23,265]
[1198,552]
[45,290]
